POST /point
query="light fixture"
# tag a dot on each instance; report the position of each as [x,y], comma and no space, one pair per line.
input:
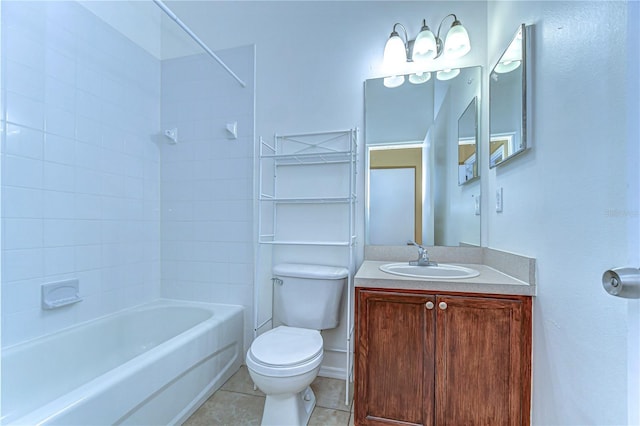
[426,45]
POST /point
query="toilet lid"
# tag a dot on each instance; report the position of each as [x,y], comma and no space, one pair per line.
[286,346]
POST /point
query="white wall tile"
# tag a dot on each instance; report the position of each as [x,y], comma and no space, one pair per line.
[22,202]
[59,260]
[22,264]
[24,111]
[24,142]
[24,80]
[59,149]
[20,296]
[59,94]
[22,171]
[21,233]
[59,205]
[59,121]
[59,177]
[58,232]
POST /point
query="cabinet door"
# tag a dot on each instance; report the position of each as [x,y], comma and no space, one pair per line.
[394,381]
[483,361]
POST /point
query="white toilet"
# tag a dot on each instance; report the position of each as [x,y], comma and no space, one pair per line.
[284,361]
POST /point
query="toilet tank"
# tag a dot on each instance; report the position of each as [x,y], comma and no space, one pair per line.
[309,296]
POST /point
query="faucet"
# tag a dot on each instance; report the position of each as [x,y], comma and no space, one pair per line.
[423,256]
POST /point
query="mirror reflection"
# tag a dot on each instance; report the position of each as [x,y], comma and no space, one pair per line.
[412,161]
[468,144]
[507,100]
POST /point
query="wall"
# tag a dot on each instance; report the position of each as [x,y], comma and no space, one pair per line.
[80,172]
[207,181]
[572,202]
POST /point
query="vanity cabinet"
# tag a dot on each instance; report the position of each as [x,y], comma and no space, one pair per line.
[424,358]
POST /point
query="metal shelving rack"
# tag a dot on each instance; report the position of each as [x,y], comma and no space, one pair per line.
[323,149]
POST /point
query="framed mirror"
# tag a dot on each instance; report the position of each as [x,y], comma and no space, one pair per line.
[468,144]
[412,158]
[507,102]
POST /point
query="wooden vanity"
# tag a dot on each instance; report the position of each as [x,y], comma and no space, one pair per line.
[450,352]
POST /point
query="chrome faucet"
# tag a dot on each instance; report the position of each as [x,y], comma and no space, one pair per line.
[423,256]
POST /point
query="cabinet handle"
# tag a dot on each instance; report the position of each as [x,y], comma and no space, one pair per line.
[429,305]
[443,305]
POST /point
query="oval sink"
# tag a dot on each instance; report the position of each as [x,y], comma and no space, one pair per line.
[440,271]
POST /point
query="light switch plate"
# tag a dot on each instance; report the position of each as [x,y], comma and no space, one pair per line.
[499,200]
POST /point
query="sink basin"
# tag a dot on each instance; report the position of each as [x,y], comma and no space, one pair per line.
[441,271]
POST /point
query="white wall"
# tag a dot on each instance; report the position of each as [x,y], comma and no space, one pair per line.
[80,172]
[572,202]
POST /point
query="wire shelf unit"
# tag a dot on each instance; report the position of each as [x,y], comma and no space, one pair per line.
[307,182]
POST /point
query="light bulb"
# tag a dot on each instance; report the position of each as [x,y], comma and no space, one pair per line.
[506,66]
[457,43]
[424,48]
[393,81]
[447,74]
[395,53]
[419,77]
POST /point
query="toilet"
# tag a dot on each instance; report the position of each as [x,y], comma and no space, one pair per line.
[285,360]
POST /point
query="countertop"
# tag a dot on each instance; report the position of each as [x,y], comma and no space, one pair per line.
[490,281]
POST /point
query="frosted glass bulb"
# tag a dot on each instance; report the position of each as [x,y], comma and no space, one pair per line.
[424,48]
[457,43]
[393,81]
[395,54]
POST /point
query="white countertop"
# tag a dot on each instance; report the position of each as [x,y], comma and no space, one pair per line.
[490,281]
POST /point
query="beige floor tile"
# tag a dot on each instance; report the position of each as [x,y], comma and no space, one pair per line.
[241,382]
[330,393]
[228,409]
[238,404]
[328,417]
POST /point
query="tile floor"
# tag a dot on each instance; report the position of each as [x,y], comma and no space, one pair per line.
[237,404]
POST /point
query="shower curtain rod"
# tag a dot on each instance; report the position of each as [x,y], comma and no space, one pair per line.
[186,29]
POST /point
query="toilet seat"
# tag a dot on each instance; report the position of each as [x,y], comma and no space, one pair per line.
[285,351]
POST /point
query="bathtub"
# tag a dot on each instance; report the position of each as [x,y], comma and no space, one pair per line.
[150,365]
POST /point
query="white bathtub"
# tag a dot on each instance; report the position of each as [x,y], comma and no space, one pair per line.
[150,365]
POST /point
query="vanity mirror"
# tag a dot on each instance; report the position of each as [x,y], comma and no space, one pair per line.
[468,144]
[412,160]
[507,102]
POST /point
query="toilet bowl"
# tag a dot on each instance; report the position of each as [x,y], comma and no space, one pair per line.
[285,360]
[282,363]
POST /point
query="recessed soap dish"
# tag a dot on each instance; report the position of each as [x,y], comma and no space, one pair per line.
[62,293]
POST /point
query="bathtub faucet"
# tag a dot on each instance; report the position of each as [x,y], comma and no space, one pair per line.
[423,256]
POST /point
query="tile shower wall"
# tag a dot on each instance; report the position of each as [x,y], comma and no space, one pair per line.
[80,166]
[207,180]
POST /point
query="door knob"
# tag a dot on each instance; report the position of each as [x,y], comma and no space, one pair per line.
[443,305]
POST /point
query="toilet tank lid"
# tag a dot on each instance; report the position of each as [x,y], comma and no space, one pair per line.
[319,272]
